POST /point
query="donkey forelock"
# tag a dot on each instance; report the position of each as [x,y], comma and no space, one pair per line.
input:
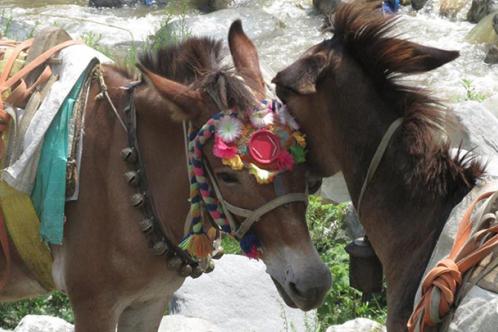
[370,39]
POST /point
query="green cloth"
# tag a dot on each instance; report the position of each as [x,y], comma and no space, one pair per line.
[49,192]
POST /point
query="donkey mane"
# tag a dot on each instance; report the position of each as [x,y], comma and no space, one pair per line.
[368,37]
[197,61]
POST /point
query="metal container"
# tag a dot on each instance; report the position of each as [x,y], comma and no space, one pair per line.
[365,269]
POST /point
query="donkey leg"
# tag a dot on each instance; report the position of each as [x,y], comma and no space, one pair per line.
[144,316]
[95,317]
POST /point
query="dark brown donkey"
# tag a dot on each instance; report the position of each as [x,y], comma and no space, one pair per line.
[105,265]
[345,93]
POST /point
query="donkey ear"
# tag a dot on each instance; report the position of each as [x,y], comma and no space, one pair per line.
[245,58]
[412,58]
[302,75]
[184,103]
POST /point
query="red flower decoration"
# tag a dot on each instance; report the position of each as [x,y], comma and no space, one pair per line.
[224,150]
[285,161]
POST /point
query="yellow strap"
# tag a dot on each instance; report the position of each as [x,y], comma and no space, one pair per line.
[24,230]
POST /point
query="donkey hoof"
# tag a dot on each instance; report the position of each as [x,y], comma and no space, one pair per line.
[174,263]
[186,270]
[219,253]
[197,272]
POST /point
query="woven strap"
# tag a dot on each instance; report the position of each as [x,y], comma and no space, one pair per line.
[441,284]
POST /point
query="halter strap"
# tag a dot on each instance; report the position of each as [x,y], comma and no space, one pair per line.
[377,158]
[251,216]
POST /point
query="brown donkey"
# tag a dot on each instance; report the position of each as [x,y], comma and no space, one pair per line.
[345,94]
[105,264]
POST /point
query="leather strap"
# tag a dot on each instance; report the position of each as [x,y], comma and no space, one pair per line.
[251,216]
[377,158]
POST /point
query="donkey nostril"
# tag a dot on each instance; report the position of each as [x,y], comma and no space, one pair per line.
[294,289]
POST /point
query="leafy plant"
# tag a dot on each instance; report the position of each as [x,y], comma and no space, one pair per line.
[55,304]
[472,94]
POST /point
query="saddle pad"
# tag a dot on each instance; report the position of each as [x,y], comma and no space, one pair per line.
[21,172]
[477,311]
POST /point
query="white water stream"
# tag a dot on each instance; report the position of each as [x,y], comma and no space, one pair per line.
[282,30]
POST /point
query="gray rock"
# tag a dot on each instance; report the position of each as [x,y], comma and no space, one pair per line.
[326,7]
[39,323]
[353,227]
[495,23]
[492,55]
[479,9]
[358,325]
[211,5]
[334,188]
[180,323]
[2,330]
[418,4]
[239,296]
[476,128]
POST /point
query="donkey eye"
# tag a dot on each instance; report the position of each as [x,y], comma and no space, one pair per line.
[227,177]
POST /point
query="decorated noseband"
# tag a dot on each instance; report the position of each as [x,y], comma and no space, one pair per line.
[266,142]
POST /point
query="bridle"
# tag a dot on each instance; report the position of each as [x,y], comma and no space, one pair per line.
[228,210]
[377,158]
[177,258]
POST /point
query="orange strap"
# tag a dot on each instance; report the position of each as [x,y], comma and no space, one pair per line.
[443,280]
[4,245]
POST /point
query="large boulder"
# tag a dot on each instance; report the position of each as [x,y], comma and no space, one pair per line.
[451,8]
[492,55]
[239,296]
[180,323]
[358,325]
[211,5]
[484,31]
[39,323]
[476,128]
[418,4]
[326,7]
[481,8]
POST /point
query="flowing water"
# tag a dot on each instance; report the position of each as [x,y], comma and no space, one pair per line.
[282,29]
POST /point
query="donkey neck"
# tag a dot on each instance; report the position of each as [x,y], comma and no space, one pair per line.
[402,227]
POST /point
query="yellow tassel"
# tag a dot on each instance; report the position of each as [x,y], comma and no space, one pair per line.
[212,233]
[200,246]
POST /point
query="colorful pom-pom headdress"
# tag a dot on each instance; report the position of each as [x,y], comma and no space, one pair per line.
[264,141]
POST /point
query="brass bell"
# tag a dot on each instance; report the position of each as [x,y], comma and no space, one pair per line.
[159,248]
[174,263]
[146,225]
[132,178]
[137,200]
[129,155]
[196,272]
[186,270]
[365,268]
[218,253]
